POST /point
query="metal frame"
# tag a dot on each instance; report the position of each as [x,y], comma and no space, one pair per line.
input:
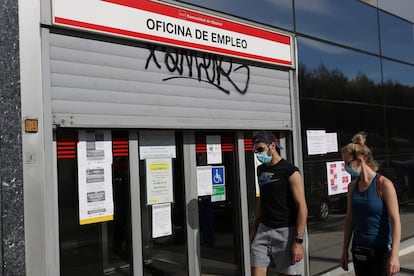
[135,203]
[193,232]
[39,164]
[46,12]
[244,203]
[297,138]
[51,183]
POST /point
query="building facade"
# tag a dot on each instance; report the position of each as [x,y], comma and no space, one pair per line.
[125,153]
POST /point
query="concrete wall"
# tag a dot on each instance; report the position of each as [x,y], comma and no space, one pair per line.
[12,219]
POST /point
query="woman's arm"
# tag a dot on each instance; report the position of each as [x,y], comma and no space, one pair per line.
[389,196]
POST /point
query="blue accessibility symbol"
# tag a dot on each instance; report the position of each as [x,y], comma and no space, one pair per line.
[217,175]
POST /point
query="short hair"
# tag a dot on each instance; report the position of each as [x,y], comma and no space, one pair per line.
[263,137]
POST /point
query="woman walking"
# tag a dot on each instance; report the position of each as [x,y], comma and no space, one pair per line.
[372,215]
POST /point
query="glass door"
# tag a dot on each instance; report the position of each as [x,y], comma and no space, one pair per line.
[94,202]
[163,205]
[218,204]
[285,150]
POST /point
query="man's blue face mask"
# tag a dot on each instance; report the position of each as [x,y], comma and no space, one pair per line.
[263,157]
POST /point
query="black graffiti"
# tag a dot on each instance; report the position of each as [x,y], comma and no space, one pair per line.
[207,68]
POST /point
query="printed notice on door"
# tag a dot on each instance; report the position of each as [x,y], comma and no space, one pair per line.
[213,147]
[338,178]
[159,181]
[156,144]
[204,184]
[321,142]
[95,176]
[161,220]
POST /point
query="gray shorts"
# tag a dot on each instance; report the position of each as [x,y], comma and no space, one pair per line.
[273,247]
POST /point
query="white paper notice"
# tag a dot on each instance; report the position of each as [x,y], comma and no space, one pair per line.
[95,147]
[161,220]
[204,182]
[331,142]
[213,144]
[338,178]
[95,176]
[156,144]
[316,141]
[159,181]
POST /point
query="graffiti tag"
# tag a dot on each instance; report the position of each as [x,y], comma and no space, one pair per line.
[207,68]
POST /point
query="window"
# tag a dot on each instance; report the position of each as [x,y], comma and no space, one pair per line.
[331,72]
[275,13]
[350,23]
[397,37]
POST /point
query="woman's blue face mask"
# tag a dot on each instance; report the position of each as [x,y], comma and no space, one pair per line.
[354,172]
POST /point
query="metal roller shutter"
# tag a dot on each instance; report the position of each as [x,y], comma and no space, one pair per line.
[104,84]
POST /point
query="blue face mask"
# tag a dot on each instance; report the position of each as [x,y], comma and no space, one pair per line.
[263,157]
[352,171]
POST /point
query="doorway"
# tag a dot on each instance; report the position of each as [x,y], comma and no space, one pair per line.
[221,246]
[191,193]
[101,243]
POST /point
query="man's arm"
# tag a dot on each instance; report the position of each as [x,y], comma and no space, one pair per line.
[256,220]
[298,193]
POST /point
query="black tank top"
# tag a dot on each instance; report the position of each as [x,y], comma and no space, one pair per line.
[278,209]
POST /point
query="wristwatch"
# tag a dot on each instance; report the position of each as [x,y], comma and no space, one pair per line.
[299,240]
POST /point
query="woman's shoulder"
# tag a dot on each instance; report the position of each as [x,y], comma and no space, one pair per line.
[385,183]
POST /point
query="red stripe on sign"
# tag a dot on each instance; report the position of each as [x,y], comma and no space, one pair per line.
[248,143]
[66,148]
[201,18]
[227,143]
[173,42]
[120,146]
[201,144]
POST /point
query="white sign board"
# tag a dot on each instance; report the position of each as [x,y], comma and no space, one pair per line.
[321,142]
[204,184]
[95,176]
[161,220]
[156,144]
[159,181]
[338,178]
[213,148]
[168,24]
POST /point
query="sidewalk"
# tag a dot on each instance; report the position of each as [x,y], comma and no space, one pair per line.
[406,262]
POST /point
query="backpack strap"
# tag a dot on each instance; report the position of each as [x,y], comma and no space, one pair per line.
[379,186]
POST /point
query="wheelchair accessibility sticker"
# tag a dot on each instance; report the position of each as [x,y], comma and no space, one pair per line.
[217,175]
[218,181]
